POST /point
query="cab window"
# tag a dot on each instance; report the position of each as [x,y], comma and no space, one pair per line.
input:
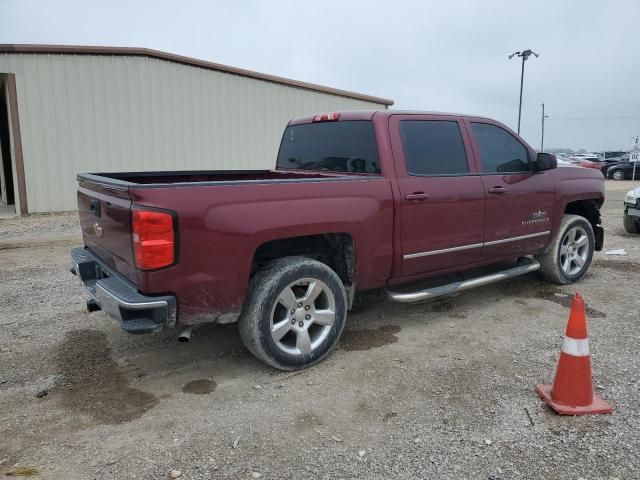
[344,146]
[500,152]
[433,147]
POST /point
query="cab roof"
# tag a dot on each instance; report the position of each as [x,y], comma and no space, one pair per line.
[369,114]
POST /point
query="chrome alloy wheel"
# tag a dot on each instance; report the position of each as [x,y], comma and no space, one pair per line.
[302,316]
[574,251]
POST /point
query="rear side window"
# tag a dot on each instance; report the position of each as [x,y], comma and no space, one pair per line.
[500,152]
[433,147]
[347,146]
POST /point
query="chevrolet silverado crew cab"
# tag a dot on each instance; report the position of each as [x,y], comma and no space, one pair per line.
[358,200]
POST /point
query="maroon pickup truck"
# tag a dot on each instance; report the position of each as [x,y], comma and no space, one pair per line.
[358,200]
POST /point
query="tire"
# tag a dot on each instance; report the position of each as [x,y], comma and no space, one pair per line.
[617,175]
[281,324]
[631,224]
[568,259]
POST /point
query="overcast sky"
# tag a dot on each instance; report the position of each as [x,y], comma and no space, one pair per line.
[431,55]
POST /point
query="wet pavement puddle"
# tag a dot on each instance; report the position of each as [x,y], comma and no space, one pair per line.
[366,339]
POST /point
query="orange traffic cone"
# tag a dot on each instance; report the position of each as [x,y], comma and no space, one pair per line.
[572,390]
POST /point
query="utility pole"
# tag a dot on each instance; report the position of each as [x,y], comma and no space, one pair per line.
[525,54]
[542,139]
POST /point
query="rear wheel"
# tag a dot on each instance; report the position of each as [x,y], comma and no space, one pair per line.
[294,313]
[570,255]
[617,175]
[631,224]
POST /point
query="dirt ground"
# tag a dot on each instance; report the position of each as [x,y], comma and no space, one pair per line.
[434,390]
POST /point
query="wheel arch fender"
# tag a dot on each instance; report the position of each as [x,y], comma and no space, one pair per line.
[338,250]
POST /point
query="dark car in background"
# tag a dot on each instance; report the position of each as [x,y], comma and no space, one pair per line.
[631,219]
[605,163]
[611,155]
[622,170]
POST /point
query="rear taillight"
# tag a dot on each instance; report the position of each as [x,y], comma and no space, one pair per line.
[153,238]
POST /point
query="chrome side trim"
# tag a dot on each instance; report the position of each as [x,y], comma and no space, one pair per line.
[444,250]
[474,245]
[515,239]
[529,265]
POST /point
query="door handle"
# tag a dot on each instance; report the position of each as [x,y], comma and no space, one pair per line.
[417,196]
[497,190]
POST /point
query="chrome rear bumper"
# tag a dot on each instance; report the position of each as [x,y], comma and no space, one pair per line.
[118,298]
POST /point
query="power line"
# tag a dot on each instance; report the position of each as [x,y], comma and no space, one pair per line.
[448,100]
[472,102]
[628,117]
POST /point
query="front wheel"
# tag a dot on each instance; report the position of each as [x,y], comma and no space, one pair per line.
[617,175]
[294,313]
[631,224]
[570,255]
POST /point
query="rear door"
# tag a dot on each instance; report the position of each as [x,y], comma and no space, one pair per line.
[520,202]
[442,199]
[105,219]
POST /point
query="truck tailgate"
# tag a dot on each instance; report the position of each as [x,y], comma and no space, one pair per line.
[105,219]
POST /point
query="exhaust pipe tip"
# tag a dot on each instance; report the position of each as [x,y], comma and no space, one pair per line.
[185,334]
[93,306]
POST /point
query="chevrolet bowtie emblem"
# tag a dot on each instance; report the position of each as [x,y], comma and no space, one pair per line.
[97,229]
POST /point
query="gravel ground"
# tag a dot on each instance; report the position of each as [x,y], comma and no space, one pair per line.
[434,390]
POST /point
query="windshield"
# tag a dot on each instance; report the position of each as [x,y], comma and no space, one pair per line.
[347,146]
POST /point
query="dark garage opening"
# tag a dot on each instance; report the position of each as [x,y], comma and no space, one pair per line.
[7,194]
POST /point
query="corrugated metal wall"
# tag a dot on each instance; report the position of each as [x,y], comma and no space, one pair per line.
[93,113]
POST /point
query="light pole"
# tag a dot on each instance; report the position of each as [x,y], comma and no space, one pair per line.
[542,139]
[635,147]
[525,54]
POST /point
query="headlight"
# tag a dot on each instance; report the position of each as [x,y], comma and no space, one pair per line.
[630,197]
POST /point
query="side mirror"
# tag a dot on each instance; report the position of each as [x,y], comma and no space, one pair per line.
[545,161]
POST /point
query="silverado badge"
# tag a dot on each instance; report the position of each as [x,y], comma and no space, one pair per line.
[537,217]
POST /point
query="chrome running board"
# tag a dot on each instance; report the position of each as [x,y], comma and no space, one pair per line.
[525,265]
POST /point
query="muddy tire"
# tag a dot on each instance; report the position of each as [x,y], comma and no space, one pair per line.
[294,313]
[631,224]
[570,255]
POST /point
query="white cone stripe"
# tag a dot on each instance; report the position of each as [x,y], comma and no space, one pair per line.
[576,348]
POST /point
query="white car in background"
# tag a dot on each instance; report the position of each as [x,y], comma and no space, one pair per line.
[576,162]
[565,161]
[586,156]
[631,218]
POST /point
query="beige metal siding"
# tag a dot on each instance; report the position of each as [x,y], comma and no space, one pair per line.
[94,113]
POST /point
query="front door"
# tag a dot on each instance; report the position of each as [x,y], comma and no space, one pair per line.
[520,202]
[442,199]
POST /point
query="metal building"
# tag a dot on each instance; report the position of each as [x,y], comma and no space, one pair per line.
[70,109]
